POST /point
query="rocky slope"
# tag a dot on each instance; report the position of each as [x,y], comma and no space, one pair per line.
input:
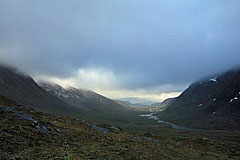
[211,103]
[28,134]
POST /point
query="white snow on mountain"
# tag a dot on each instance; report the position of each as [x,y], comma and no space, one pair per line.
[236,98]
[213,79]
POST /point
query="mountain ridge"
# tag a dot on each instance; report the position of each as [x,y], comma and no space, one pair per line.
[209,103]
[24,90]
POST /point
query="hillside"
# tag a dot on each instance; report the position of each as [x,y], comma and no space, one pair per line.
[28,134]
[211,103]
[82,104]
[155,107]
[81,98]
[93,106]
[24,90]
[162,105]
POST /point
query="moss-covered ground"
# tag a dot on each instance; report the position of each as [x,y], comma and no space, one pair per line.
[72,139]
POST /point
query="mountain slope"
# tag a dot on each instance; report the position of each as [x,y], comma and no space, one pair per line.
[93,105]
[211,103]
[24,90]
[80,98]
[162,105]
[72,102]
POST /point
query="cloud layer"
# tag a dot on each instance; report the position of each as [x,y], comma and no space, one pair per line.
[129,45]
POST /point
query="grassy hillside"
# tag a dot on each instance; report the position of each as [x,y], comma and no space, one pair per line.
[29,134]
[93,106]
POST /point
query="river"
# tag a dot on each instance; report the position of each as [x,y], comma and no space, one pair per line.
[151,116]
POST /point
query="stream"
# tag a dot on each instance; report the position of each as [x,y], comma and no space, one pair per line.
[151,116]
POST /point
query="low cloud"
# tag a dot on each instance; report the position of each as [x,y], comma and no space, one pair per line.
[104,81]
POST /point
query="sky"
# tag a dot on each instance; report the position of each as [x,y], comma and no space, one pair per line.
[140,50]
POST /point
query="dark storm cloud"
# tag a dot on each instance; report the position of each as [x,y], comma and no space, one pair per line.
[154,42]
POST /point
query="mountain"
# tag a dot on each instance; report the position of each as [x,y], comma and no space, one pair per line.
[93,105]
[24,90]
[210,103]
[134,104]
[162,105]
[82,99]
[72,102]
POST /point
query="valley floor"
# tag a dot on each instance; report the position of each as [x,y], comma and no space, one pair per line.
[28,134]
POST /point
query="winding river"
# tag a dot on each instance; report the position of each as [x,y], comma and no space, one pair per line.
[151,116]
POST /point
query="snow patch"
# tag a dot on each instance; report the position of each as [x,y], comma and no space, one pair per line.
[213,79]
[236,98]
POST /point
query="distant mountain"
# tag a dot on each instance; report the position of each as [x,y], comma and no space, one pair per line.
[162,105]
[83,99]
[211,103]
[94,106]
[24,90]
[135,104]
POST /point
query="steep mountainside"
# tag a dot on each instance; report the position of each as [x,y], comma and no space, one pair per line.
[24,90]
[212,103]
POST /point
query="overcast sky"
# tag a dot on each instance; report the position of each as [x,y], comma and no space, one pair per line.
[140,49]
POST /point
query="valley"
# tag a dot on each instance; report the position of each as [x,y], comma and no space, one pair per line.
[37,135]
[119,80]
[47,121]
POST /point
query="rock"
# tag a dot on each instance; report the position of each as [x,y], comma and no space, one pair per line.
[24,116]
[104,130]
[58,130]
[7,109]
[143,138]
[42,129]
[20,115]
[79,120]
[112,126]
